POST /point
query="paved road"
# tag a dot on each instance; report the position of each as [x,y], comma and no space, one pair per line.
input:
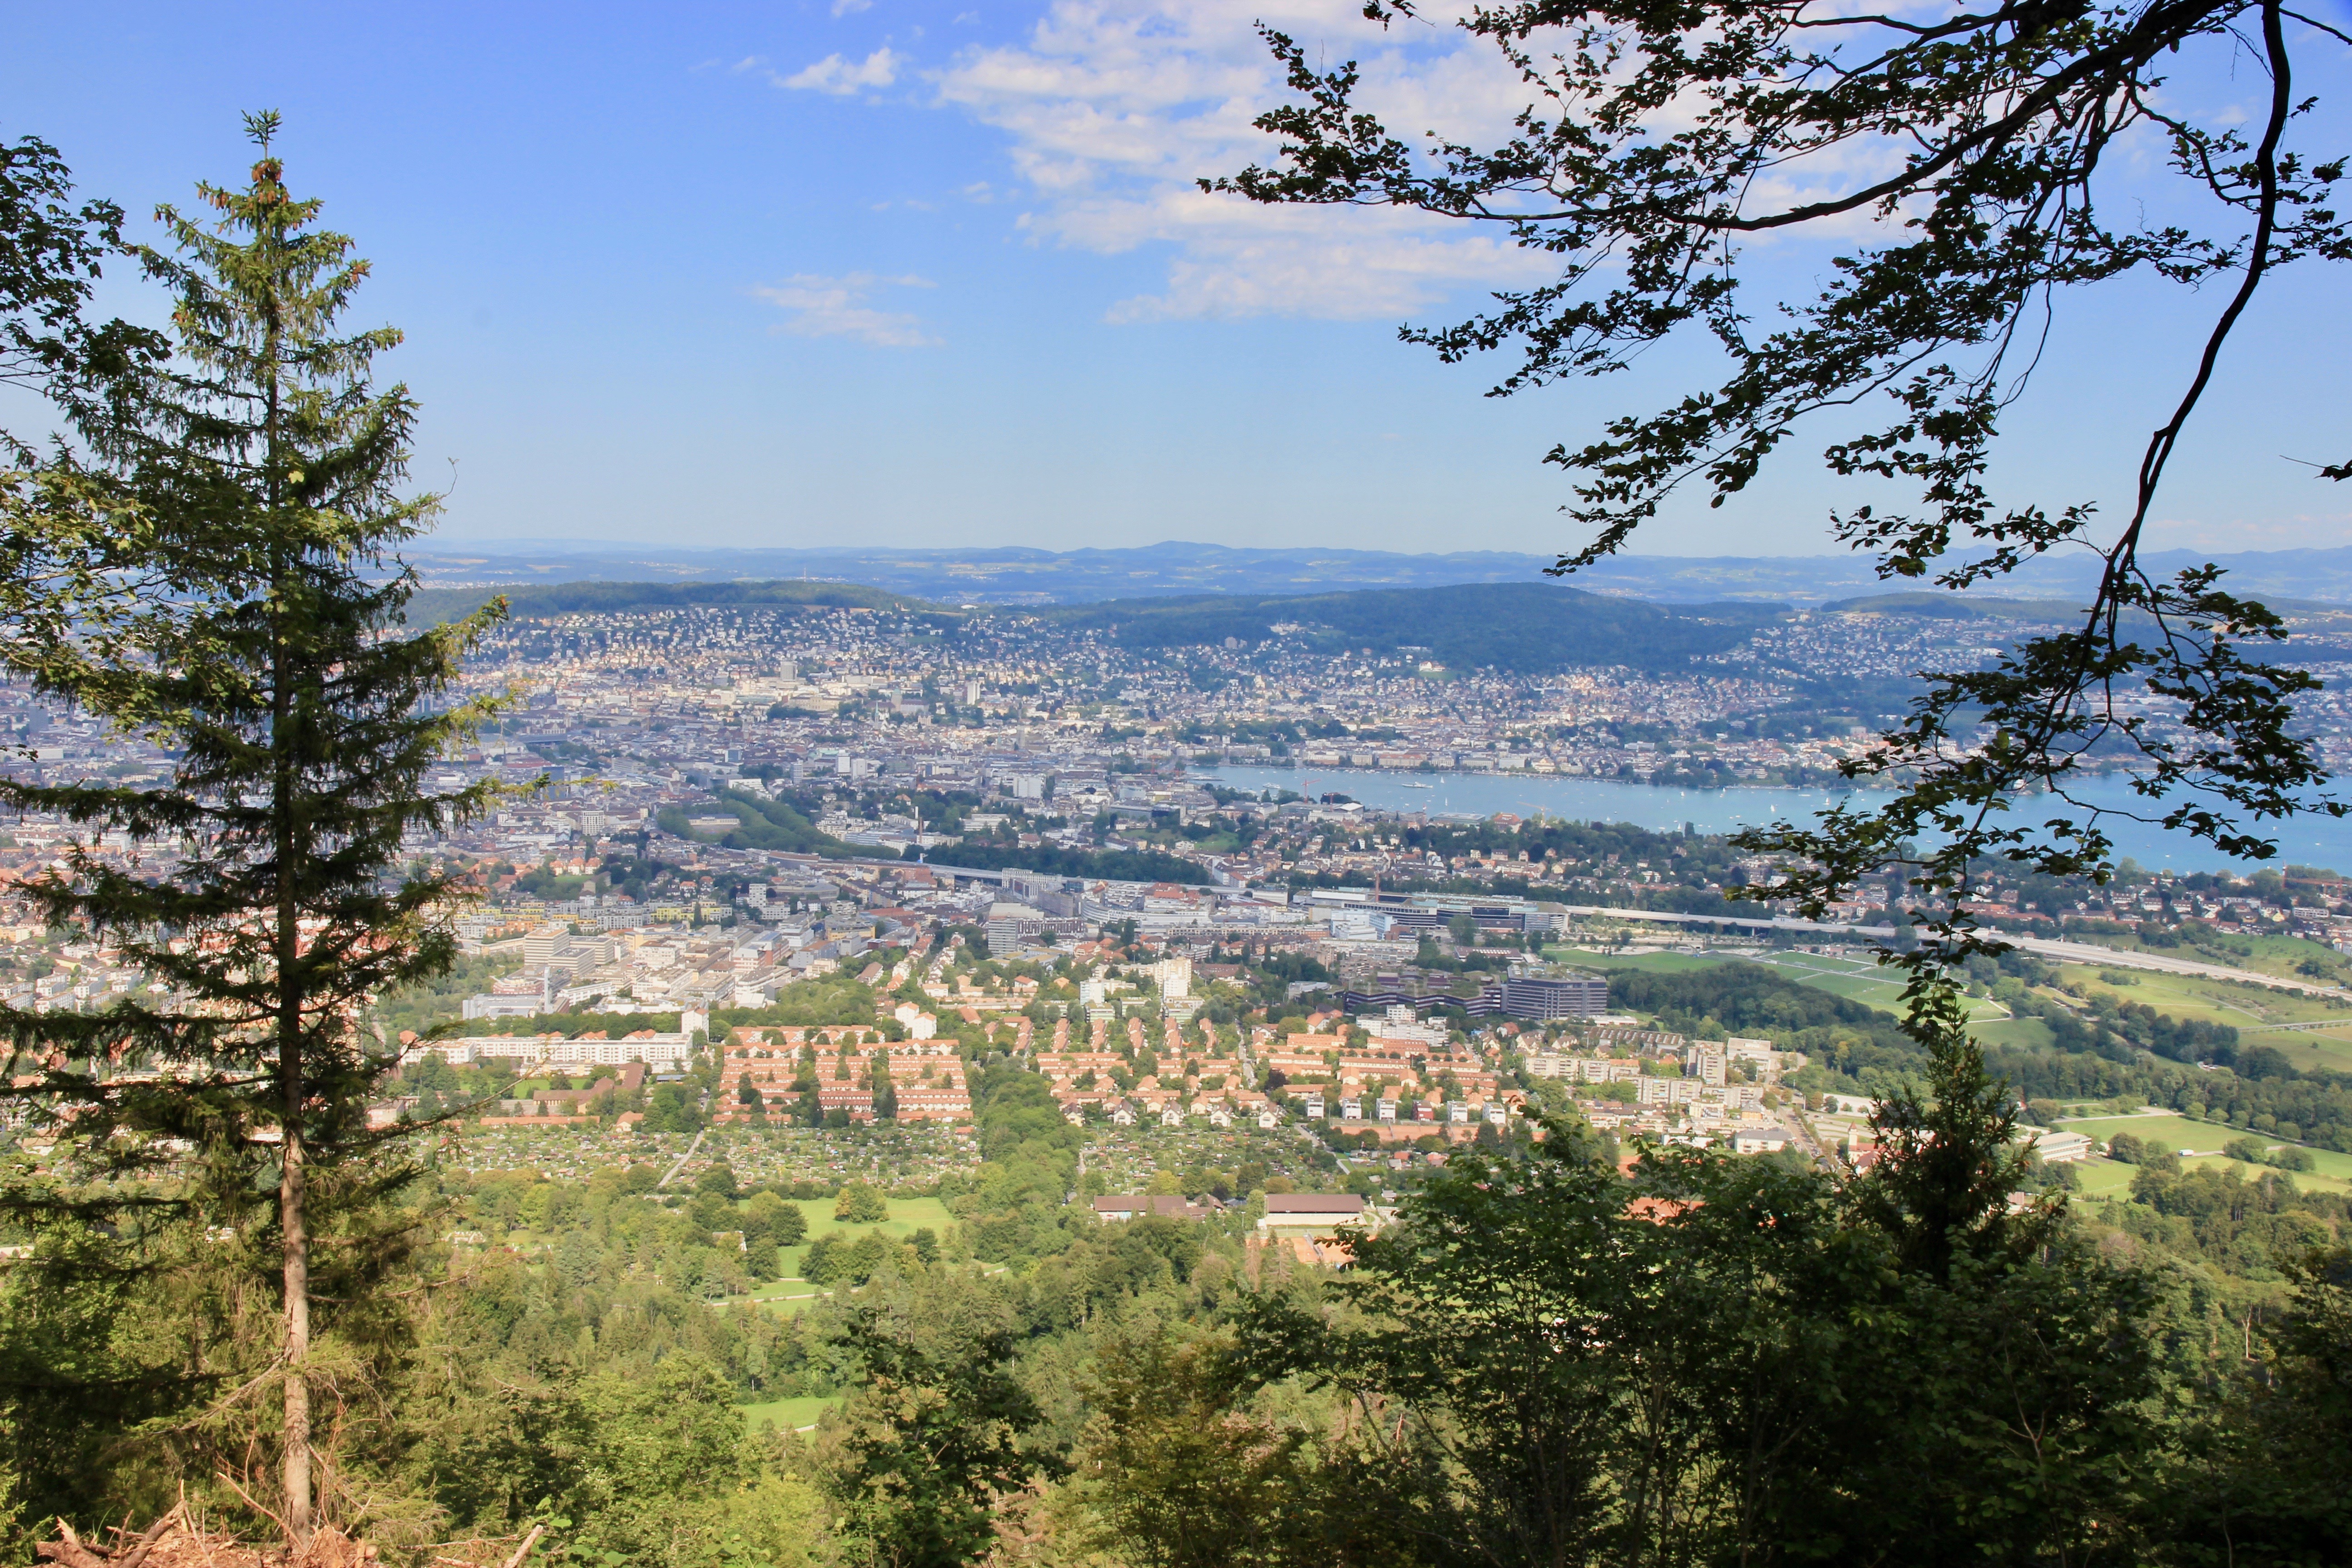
[1811,1141]
[2114,958]
[1767,922]
[670,1175]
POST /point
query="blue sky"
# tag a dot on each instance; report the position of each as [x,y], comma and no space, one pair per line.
[919,274]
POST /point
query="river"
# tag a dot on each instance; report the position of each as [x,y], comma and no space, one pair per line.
[2305,841]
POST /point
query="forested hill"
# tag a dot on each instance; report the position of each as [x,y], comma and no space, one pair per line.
[1519,628]
[527,601]
[1524,628]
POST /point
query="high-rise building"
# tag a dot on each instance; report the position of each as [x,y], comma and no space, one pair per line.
[1575,996]
[539,947]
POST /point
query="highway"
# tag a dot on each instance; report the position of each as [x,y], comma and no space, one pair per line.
[1770,923]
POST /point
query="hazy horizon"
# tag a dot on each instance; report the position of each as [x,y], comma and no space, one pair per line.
[613,546]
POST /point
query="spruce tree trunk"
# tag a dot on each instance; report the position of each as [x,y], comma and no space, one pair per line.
[293,1219]
[292,1225]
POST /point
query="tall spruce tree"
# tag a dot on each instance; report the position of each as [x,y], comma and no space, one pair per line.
[254,484]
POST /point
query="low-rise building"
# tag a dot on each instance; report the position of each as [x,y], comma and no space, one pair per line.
[1167,1206]
[1310,1214]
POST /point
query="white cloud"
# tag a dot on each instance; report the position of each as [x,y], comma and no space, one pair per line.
[835,75]
[846,7]
[837,308]
[1115,108]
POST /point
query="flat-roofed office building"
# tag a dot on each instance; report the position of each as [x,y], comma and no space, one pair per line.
[1574,997]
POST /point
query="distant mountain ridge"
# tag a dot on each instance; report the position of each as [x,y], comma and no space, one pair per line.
[1010,574]
[1016,575]
[530,601]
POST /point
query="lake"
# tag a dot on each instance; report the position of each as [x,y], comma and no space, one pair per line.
[2305,841]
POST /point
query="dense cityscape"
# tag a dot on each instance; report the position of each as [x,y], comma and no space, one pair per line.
[916,840]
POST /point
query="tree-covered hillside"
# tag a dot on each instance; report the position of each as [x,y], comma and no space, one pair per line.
[765,824]
[527,601]
[1518,627]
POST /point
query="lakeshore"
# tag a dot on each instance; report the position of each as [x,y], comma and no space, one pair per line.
[2312,841]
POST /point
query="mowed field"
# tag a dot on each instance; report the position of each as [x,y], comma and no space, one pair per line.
[1865,981]
[907,1215]
[789,1296]
[2331,1171]
[789,1414]
[793,1294]
[1856,979]
[1655,962]
[2250,1009]
[2283,956]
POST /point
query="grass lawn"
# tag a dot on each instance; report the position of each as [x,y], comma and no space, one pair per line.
[2280,955]
[2104,1178]
[1873,985]
[789,1297]
[1855,979]
[2018,1034]
[1656,962]
[2165,1127]
[2243,1006]
[907,1215]
[789,1414]
[2331,1171]
[2329,1050]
